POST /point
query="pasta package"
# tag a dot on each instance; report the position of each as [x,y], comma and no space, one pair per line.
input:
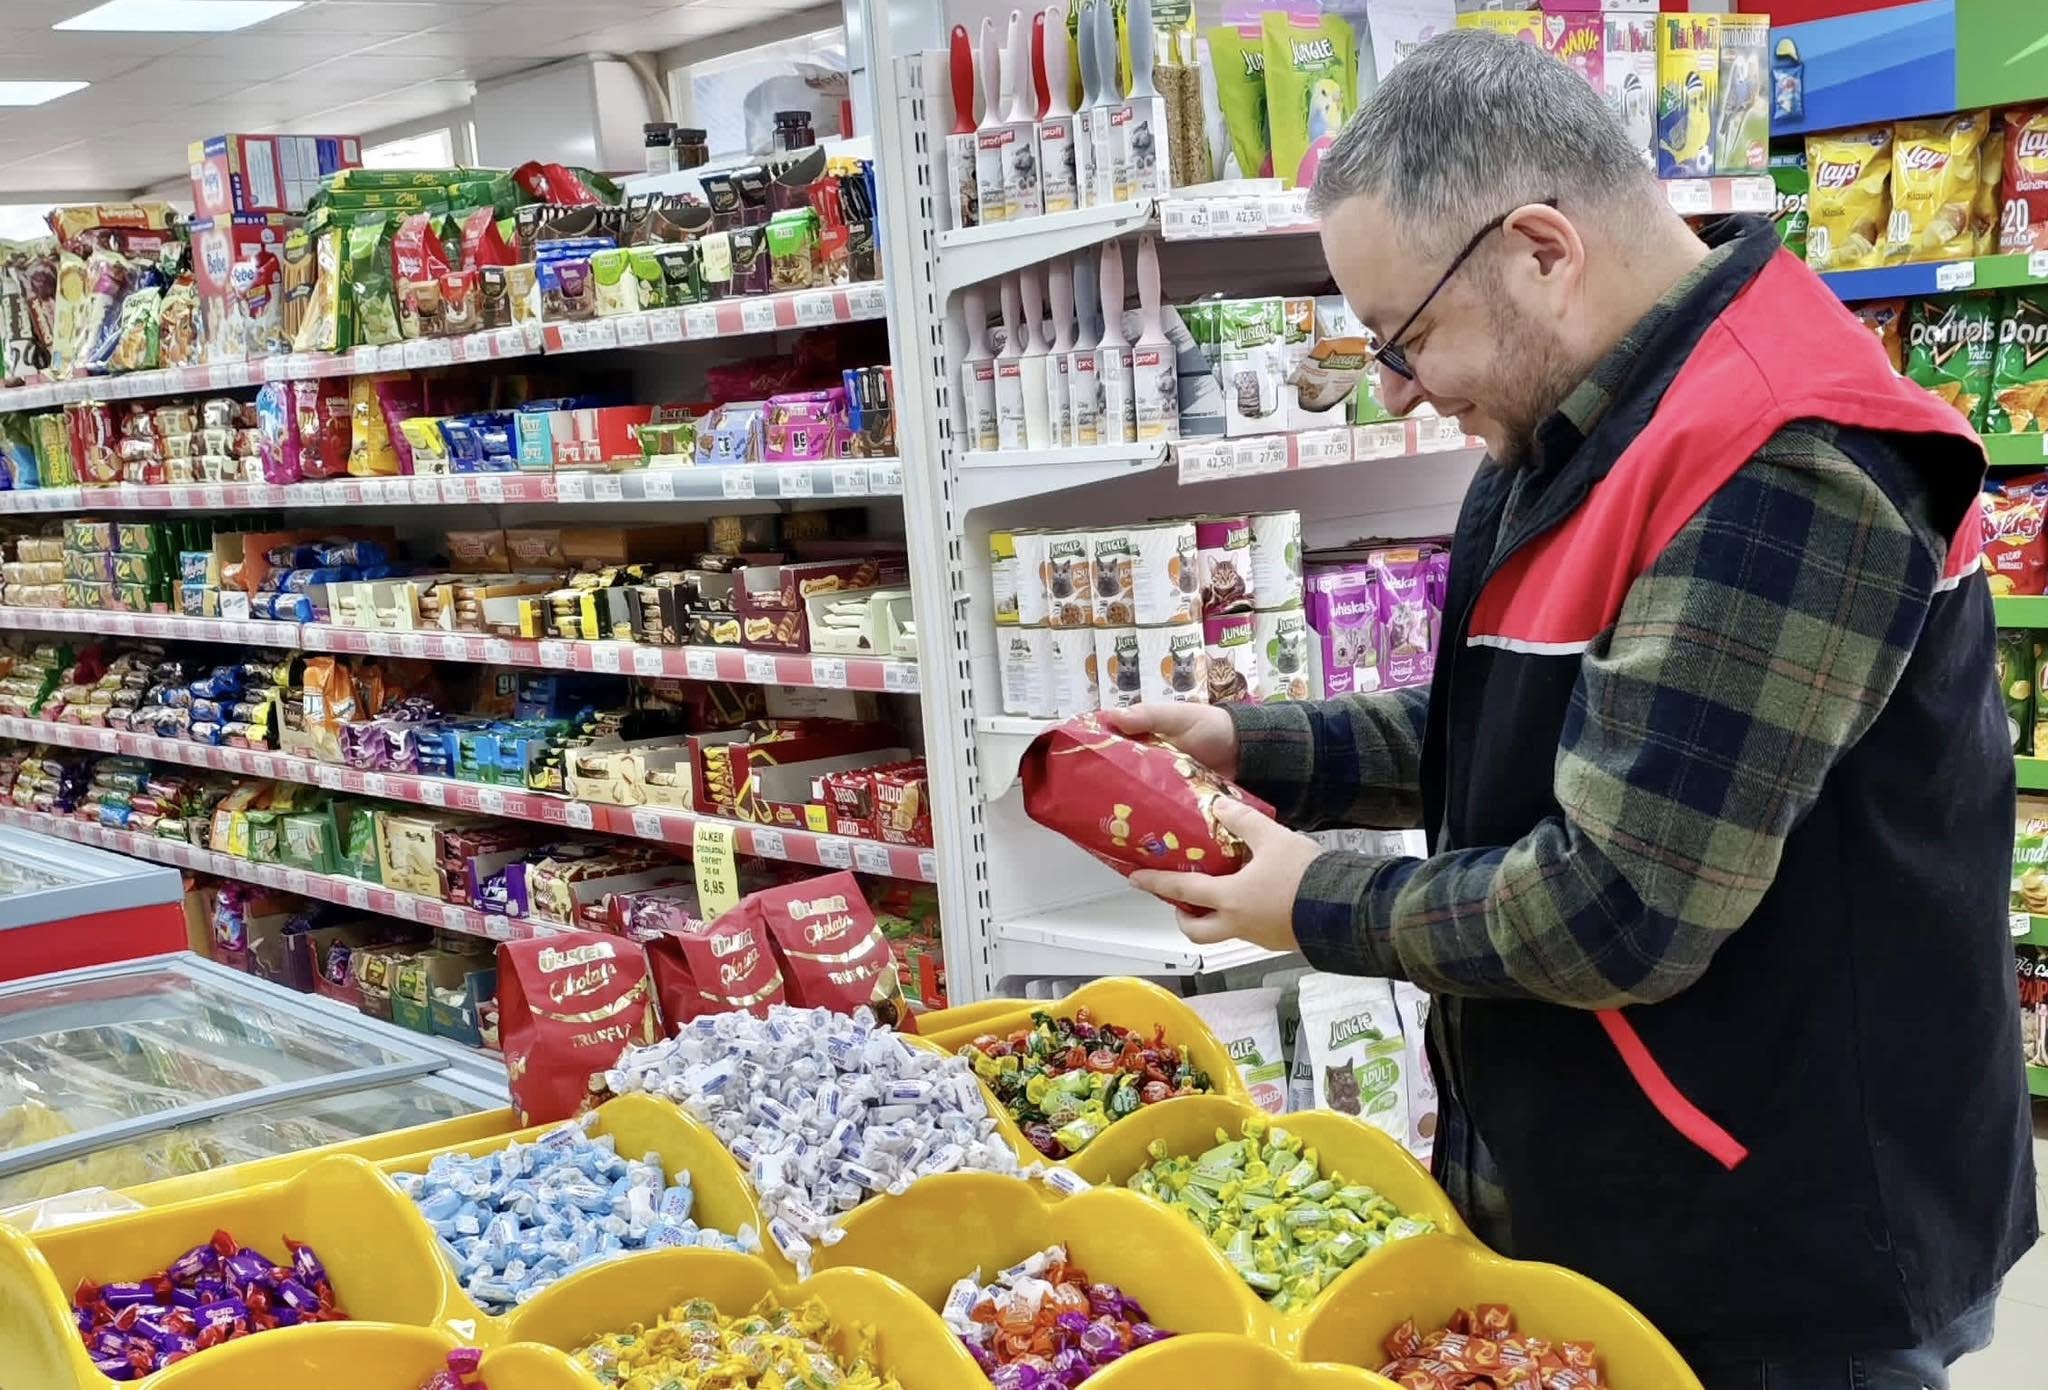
[1935,187]
[1850,173]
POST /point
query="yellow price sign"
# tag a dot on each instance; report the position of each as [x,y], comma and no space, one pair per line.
[718,877]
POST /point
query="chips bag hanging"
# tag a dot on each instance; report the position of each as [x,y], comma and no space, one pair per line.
[1949,347]
[1311,88]
[2023,216]
[1849,173]
[1990,172]
[1237,60]
[1934,188]
[2019,377]
[1886,319]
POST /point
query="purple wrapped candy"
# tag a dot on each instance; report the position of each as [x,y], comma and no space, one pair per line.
[1071,1324]
[1018,1377]
[983,1357]
[227,1316]
[1072,1366]
[247,1269]
[210,1289]
[1100,1337]
[306,1266]
[119,1296]
[1144,1334]
[114,1367]
[296,1296]
[200,1259]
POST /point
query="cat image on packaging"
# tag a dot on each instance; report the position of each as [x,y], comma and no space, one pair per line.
[1353,1037]
[1742,113]
[1688,85]
[1628,76]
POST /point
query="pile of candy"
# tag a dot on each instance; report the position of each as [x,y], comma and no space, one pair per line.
[824,1110]
[1481,1347]
[461,1373]
[1286,1227]
[1065,1080]
[517,1220]
[212,1293]
[1041,1325]
[696,1347]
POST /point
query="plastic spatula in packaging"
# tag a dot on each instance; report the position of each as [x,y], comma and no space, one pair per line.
[1031,357]
[1056,165]
[1040,95]
[961,200]
[1108,99]
[1118,423]
[1118,109]
[1027,195]
[1151,166]
[1086,191]
[1155,367]
[977,375]
[1084,387]
[1010,373]
[1058,361]
[992,137]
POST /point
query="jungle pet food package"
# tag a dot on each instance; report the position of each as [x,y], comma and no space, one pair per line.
[1132,803]
[2023,215]
[1412,1005]
[1247,1023]
[1935,167]
[568,1004]
[1237,55]
[1254,371]
[1311,87]
[1301,1086]
[2019,371]
[1688,92]
[1849,174]
[1950,345]
[1353,1036]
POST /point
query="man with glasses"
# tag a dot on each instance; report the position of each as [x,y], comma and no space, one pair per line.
[1715,774]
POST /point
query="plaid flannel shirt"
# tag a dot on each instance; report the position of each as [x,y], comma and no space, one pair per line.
[1624,897]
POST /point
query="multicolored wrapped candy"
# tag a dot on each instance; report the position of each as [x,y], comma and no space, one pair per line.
[695,1347]
[1041,1325]
[1480,1347]
[461,1373]
[1065,1080]
[212,1293]
[1286,1227]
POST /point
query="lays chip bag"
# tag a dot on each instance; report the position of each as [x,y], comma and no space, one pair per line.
[1848,172]
[2023,217]
[2019,377]
[1990,173]
[1950,343]
[1934,188]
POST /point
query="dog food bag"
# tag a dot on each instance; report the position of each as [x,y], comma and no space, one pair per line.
[2016,684]
[568,1005]
[834,955]
[1356,1053]
[1247,1023]
[1412,1004]
[1237,55]
[1850,173]
[1935,178]
[1311,87]
[1950,346]
[1132,803]
[2019,371]
[2023,213]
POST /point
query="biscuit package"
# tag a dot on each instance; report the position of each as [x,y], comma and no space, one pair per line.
[2023,215]
[1935,186]
[1949,347]
[1311,88]
[2019,378]
[1133,803]
[1850,172]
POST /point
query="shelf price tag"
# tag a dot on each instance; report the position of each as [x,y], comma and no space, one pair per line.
[572,487]
[329,776]
[634,331]
[373,784]
[412,644]
[793,480]
[737,482]
[815,309]
[757,315]
[2037,265]
[665,326]
[700,321]
[928,865]
[1205,460]
[647,661]
[1956,275]
[885,479]
[2018,923]
[900,677]
[557,655]
[718,877]
[490,488]
[849,480]
[700,665]
[760,669]
[605,657]
[1320,448]
[577,815]
[497,651]
[1689,197]
[866,302]
[490,801]
[607,487]
[432,793]
[658,486]
[769,844]
[649,824]
[357,896]
[295,880]
[871,859]
[828,672]
[834,851]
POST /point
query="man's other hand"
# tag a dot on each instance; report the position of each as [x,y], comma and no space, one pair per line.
[1203,732]
[1256,903]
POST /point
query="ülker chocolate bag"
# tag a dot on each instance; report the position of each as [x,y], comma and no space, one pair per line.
[1132,803]
[720,967]
[834,955]
[568,1005]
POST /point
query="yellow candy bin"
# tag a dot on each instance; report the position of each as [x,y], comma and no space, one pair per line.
[1207,1359]
[909,1343]
[1430,1277]
[359,1356]
[641,1125]
[380,1256]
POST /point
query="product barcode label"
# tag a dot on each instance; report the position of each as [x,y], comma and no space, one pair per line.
[871,859]
[769,844]
[836,852]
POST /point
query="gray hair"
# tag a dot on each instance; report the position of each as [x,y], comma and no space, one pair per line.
[1474,124]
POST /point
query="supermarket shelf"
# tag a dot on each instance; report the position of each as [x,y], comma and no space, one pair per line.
[988,478]
[970,255]
[2032,774]
[2037,1081]
[1126,934]
[2027,929]
[864,478]
[639,822]
[1000,741]
[1940,277]
[888,674]
[333,888]
[654,327]
[2016,610]
[2016,449]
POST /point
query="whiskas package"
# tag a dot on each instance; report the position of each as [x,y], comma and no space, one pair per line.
[1742,112]
[2023,216]
[1688,87]
[1628,76]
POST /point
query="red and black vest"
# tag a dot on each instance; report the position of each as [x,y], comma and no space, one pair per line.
[1823,1144]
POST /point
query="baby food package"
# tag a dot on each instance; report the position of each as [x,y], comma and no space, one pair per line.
[1935,167]
[1356,1054]
[1247,1023]
[1301,1081]
[1311,87]
[1237,60]
[1850,174]
[1412,1004]
[2019,374]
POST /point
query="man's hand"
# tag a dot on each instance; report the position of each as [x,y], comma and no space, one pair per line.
[1203,732]
[1256,903]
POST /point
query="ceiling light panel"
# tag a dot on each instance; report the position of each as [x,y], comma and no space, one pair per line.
[177,16]
[36,93]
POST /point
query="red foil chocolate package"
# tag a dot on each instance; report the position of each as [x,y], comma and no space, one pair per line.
[568,1005]
[1133,803]
[833,953]
[719,967]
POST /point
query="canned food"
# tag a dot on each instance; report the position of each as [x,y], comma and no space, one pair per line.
[1165,578]
[1172,664]
[1276,559]
[1025,655]
[1116,667]
[1069,569]
[1224,548]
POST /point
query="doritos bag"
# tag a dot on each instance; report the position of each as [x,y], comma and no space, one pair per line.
[834,955]
[2019,375]
[1949,347]
[1849,172]
[568,1005]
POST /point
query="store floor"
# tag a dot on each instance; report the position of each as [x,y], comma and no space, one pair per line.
[2020,1348]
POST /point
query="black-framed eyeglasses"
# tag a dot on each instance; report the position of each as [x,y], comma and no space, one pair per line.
[1391,356]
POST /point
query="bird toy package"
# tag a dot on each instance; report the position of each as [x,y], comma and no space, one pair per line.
[1133,803]
[1311,87]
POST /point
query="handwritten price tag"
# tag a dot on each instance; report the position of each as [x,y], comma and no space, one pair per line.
[718,876]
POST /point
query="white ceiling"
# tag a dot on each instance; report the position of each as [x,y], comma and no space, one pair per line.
[331,67]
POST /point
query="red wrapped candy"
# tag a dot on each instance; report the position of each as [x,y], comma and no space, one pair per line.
[1479,1349]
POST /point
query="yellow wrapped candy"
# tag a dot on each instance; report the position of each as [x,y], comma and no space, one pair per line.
[695,1347]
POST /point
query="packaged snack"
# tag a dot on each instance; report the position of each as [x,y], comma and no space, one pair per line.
[256,282]
[2023,199]
[2019,375]
[136,345]
[2015,550]
[326,326]
[1990,170]
[297,269]
[2016,686]
[1238,63]
[1475,1344]
[2030,856]
[1311,88]
[1688,94]
[568,1004]
[1850,172]
[371,453]
[1950,343]
[1886,319]
[1412,1004]
[370,282]
[1742,112]
[1789,180]
[399,398]
[419,262]
[1247,1023]
[833,954]
[1253,368]
[323,425]
[1355,1050]
[278,421]
[1934,188]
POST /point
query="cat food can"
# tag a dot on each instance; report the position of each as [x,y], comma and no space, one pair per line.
[1112,577]
[1276,559]
[1116,667]
[1224,544]
[1280,651]
[1002,576]
[1233,663]
[1073,671]
[1026,664]
[1165,578]
[1069,571]
[1172,664]
[1030,578]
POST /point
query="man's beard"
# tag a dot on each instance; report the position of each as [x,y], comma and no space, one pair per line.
[1525,403]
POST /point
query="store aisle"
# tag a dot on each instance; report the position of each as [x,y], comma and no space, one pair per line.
[2021,1347]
